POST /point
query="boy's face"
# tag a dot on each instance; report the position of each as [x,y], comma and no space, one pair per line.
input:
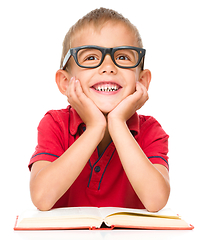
[123,81]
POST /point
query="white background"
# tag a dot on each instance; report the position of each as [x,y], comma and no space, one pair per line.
[31,35]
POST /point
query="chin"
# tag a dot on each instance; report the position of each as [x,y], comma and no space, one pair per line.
[106,109]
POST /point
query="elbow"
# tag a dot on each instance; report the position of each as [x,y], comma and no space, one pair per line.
[41,204]
[154,207]
[156,204]
[41,201]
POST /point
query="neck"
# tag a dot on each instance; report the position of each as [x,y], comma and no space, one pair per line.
[105,141]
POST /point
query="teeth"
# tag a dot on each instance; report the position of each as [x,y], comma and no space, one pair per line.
[107,89]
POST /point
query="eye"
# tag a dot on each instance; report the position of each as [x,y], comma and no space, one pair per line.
[122,58]
[91,58]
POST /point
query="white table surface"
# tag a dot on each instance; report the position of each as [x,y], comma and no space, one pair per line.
[104,234]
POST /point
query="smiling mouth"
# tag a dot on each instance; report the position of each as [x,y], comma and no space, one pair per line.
[106,87]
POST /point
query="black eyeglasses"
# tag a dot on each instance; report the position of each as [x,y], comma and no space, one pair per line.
[92,56]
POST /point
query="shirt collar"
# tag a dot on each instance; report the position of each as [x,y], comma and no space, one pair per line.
[75,121]
[133,124]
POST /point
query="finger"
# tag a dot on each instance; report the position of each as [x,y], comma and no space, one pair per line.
[142,95]
[79,91]
[78,88]
[81,95]
[71,94]
[139,87]
[138,92]
[142,89]
[145,93]
[69,88]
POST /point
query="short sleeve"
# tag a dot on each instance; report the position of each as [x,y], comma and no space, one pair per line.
[50,140]
[154,141]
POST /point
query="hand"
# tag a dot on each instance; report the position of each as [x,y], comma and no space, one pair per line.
[127,107]
[84,106]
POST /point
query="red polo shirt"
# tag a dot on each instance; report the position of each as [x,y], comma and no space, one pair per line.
[103,181]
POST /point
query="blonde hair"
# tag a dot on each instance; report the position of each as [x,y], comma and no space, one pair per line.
[98,18]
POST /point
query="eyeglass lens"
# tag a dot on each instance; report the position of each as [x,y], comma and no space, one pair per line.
[90,57]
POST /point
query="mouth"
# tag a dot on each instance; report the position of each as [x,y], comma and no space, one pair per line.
[106,87]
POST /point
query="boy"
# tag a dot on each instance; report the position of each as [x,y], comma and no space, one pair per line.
[98,151]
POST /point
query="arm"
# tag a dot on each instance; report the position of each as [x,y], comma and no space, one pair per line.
[49,181]
[150,181]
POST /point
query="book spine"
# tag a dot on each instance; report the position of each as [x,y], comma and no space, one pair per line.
[95,228]
[15,226]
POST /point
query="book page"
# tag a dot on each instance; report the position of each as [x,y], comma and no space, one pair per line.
[99,214]
[62,212]
[91,212]
[106,211]
[145,221]
[65,218]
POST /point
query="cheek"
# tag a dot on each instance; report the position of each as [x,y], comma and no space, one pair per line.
[131,87]
[84,76]
[83,79]
[131,77]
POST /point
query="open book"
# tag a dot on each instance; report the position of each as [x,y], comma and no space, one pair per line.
[95,218]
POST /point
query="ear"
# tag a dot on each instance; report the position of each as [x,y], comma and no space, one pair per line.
[62,80]
[145,78]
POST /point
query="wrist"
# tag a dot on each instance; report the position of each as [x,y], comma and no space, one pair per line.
[115,119]
[97,130]
[115,124]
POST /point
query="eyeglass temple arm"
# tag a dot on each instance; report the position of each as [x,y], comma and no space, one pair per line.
[142,67]
[68,55]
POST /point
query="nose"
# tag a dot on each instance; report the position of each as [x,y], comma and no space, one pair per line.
[108,66]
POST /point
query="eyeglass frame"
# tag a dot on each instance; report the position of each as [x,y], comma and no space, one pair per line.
[74,51]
